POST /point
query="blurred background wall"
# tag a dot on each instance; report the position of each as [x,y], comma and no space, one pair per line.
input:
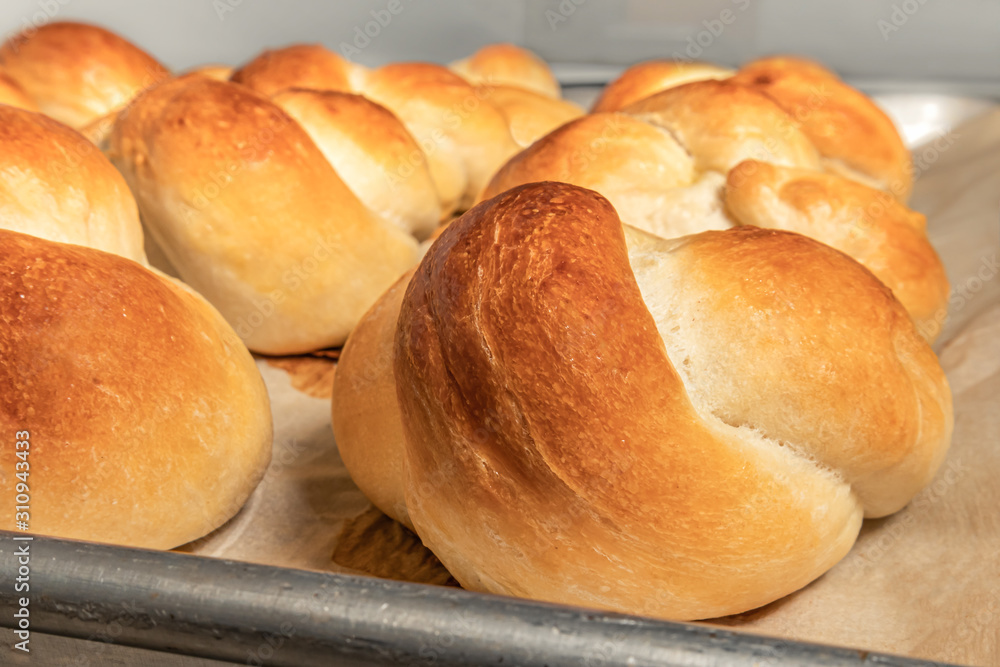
[951,45]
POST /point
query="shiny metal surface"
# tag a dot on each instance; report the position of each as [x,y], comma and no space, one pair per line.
[260,615]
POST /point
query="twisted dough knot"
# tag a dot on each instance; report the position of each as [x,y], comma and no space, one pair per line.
[713,154]
[467,127]
[252,214]
[593,415]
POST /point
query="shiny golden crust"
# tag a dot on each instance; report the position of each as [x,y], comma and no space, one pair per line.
[649,178]
[663,163]
[13,95]
[298,66]
[564,437]
[648,78]
[76,72]
[367,425]
[721,124]
[55,184]
[854,136]
[530,115]
[867,224]
[246,207]
[465,138]
[508,65]
[149,423]
[372,153]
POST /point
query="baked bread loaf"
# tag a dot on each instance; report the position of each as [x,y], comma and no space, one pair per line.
[464,126]
[677,162]
[57,185]
[147,422]
[373,154]
[681,428]
[852,135]
[253,216]
[508,65]
[78,73]
[463,138]
[648,78]
[530,115]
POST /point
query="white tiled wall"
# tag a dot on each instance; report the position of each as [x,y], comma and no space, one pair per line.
[952,41]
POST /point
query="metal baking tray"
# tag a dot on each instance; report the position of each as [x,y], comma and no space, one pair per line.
[242,613]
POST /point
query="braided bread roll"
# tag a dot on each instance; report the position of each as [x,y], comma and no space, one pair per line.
[683,428]
[510,66]
[245,205]
[852,135]
[466,127]
[667,163]
[648,78]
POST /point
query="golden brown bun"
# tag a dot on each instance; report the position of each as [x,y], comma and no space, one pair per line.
[855,137]
[464,138]
[55,184]
[508,65]
[13,95]
[647,175]
[149,423]
[721,124]
[372,153]
[253,216]
[684,429]
[367,425]
[648,78]
[76,72]
[309,66]
[530,115]
[870,225]
[664,162]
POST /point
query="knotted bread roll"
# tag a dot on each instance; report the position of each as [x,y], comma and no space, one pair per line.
[675,163]
[145,420]
[650,77]
[245,205]
[466,127]
[56,184]
[853,136]
[592,415]
[81,75]
[508,65]
[530,115]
